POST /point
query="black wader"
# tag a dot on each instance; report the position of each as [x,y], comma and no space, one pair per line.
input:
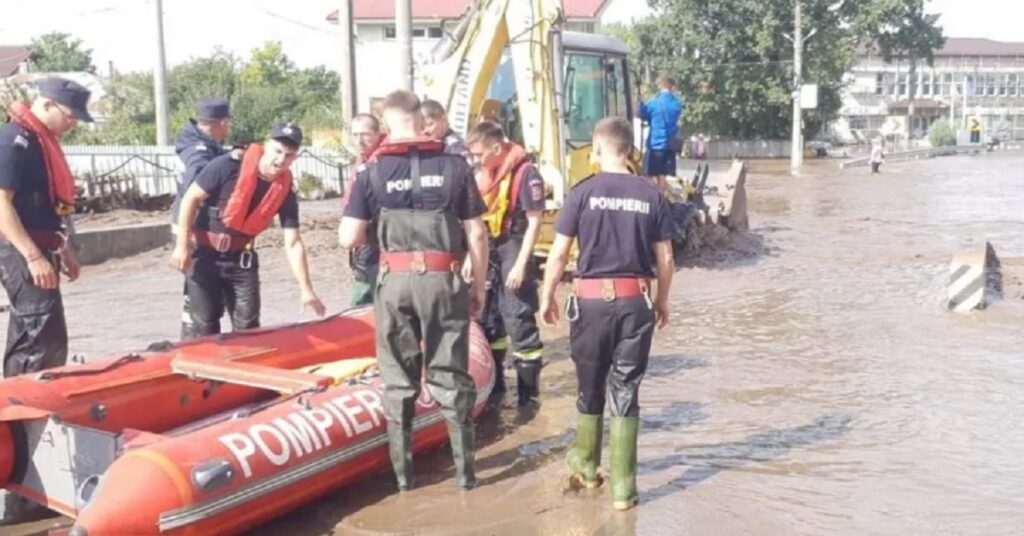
[432,307]
[219,282]
[37,333]
[610,342]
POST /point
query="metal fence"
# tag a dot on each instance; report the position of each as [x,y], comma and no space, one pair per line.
[723,149]
[153,170]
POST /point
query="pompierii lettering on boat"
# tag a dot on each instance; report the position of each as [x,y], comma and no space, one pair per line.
[305,432]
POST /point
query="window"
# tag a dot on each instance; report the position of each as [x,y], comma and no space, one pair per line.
[947,83]
[926,84]
[585,97]
[858,122]
[902,85]
[432,32]
[992,84]
[1003,78]
[879,84]
[1011,85]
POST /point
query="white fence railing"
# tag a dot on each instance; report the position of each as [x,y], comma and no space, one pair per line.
[724,149]
[154,170]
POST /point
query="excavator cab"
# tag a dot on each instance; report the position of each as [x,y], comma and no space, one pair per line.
[594,83]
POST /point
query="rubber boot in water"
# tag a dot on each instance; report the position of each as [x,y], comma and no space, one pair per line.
[585,456]
[528,381]
[461,438]
[623,432]
[400,447]
[499,371]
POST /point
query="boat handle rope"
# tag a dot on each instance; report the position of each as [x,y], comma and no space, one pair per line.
[49,375]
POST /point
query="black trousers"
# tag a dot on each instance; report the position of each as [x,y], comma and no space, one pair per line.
[507,313]
[610,344]
[37,333]
[219,283]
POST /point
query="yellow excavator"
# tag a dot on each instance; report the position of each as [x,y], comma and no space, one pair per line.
[511,61]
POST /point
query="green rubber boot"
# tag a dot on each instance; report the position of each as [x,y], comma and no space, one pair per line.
[400,448]
[623,432]
[585,457]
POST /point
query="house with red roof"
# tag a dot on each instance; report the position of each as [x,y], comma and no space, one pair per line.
[376,45]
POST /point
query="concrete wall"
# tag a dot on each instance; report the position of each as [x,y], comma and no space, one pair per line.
[95,246]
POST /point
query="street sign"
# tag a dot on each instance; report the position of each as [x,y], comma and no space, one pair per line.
[975,124]
[895,125]
[809,96]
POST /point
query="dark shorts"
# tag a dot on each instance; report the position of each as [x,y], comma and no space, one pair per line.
[659,162]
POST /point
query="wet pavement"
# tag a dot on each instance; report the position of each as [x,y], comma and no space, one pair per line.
[813,384]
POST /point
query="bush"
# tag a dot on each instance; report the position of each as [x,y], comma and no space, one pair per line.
[941,134]
[310,187]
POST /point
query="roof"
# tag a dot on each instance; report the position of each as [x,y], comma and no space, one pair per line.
[593,43]
[971,46]
[11,57]
[452,9]
[968,46]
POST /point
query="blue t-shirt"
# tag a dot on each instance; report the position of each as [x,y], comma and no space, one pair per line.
[617,218]
[23,171]
[662,113]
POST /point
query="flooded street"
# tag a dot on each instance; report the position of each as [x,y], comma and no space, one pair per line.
[816,387]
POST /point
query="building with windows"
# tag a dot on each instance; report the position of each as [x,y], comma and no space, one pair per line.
[377,52]
[972,81]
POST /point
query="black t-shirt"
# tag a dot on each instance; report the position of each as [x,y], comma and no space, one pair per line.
[218,179]
[617,219]
[464,198]
[23,171]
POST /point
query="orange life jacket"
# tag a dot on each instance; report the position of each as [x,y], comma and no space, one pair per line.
[500,187]
[61,181]
[235,214]
[422,144]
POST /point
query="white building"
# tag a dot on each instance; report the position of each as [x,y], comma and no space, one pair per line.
[991,71]
[378,53]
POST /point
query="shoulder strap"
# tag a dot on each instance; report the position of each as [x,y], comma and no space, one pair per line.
[448,180]
[414,177]
[376,185]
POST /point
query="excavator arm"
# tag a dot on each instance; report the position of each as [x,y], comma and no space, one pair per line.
[461,67]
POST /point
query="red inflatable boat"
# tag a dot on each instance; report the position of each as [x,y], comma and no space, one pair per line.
[212,436]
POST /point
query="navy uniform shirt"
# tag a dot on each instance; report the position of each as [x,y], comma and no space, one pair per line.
[195,149]
[617,218]
[23,171]
[530,199]
[218,179]
[464,199]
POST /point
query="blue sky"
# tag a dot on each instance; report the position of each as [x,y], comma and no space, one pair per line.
[121,31]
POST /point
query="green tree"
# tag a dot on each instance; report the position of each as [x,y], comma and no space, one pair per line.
[941,134]
[60,52]
[268,66]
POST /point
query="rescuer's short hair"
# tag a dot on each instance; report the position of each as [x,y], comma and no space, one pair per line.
[402,101]
[370,119]
[485,132]
[617,132]
[432,109]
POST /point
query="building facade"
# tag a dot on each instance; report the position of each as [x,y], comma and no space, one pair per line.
[976,83]
[378,52]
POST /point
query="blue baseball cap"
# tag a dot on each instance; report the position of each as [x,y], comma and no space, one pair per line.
[286,130]
[67,93]
[213,109]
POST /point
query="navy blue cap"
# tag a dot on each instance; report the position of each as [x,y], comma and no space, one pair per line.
[213,109]
[69,94]
[287,131]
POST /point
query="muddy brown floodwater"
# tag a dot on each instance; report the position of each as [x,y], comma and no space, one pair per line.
[817,386]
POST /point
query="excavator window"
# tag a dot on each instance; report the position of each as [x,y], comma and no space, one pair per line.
[596,87]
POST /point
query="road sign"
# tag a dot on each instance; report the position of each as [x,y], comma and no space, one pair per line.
[895,125]
[809,96]
[975,124]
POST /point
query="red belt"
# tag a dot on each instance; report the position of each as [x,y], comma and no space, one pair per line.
[610,288]
[419,261]
[222,242]
[51,240]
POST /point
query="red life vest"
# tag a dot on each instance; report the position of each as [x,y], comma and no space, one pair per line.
[234,214]
[61,181]
[423,145]
[500,186]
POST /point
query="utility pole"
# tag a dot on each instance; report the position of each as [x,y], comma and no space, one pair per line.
[163,127]
[349,99]
[797,155]
[403,33]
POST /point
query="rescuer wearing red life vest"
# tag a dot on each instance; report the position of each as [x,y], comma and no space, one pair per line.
[232,201]
[513,191]
[426,212]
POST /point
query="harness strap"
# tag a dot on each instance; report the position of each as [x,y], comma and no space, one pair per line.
[414,177]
